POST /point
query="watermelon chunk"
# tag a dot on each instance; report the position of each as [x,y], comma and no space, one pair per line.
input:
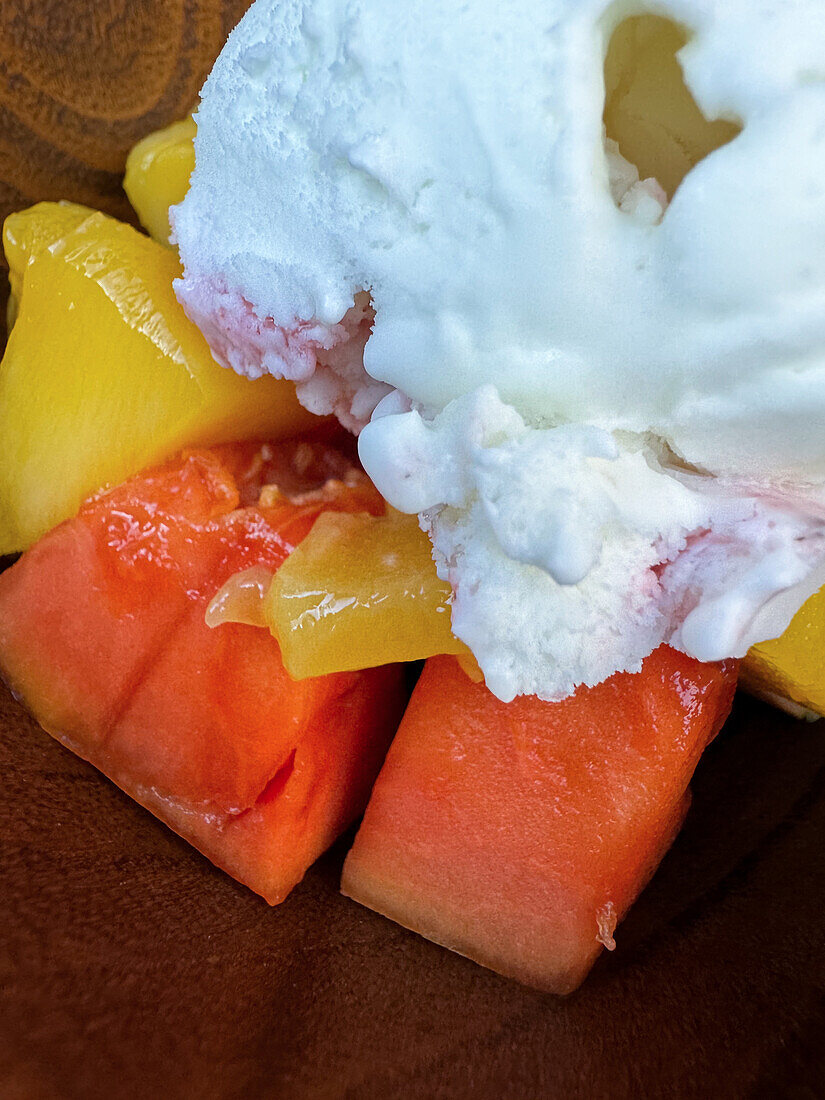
[102,635]
[519,833]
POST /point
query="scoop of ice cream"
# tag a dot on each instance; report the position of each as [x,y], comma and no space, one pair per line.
[419,200]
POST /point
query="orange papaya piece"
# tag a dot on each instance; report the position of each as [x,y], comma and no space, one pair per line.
[103,636]
[518,834]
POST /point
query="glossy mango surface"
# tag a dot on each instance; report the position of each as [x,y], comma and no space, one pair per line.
[790,671]
[157,175]
[359,591]
[103,373]
[29,231]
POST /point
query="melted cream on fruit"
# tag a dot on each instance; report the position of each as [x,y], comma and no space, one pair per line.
[493,187]
[617,551]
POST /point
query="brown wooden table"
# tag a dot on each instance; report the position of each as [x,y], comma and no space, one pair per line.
[130,968]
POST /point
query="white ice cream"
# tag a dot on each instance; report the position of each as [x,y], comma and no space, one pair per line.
[611,416]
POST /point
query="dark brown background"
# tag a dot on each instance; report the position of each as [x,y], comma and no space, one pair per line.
[130,968]
[82,80]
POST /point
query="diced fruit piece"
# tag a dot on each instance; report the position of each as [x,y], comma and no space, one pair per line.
[27,232]
[157,175]
[104,375]
[102,634]
[360,591]
[519,833]
[649,109]
[790,671]
[241,599]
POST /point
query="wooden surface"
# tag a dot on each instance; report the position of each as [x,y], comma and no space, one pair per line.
[82,80]
[130,968]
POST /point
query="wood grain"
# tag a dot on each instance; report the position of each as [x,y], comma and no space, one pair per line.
[131,968]
[82,80]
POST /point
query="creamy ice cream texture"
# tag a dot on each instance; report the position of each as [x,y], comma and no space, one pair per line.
[603,394]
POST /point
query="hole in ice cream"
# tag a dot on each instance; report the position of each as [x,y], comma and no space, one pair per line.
[649,111]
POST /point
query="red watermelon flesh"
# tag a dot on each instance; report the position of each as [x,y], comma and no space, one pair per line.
[102,635]
[519,833]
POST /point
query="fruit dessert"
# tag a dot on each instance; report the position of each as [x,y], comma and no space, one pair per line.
[529,870]
[136,379]
[588,486]
[103,636]
[594,358]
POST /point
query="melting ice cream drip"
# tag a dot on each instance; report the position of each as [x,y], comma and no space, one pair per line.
[620,552]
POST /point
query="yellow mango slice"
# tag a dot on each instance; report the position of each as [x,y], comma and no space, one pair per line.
[359,591]
[649,110]
[790,671]
[27,232]
[157,175]
[104,375]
